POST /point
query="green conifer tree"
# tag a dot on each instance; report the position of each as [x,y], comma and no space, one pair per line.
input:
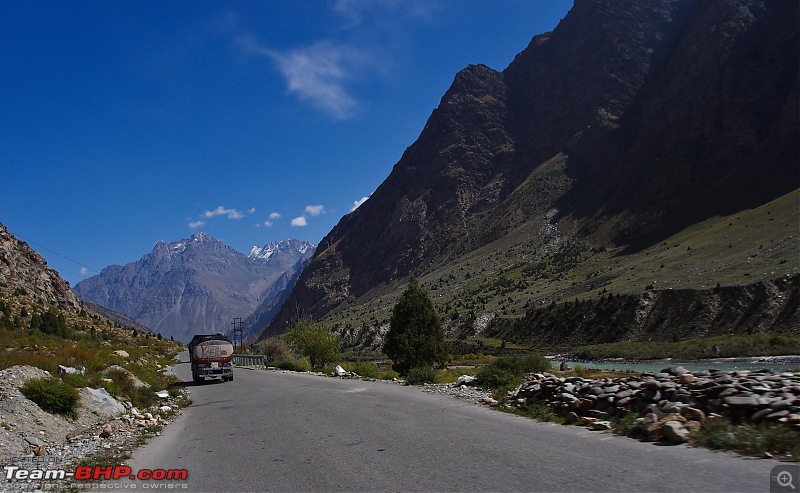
[415,338]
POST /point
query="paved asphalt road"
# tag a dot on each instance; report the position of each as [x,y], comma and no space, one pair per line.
[275,431]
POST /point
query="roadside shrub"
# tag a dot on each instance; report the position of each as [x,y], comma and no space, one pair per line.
[276,349]
[294,365]
[496,377]
[538,411]
[52,395]
[362,368]
[625,425]
[152,376]
[507,372]
[775,438]
[313,340]
[388,375]
[420,375]
[143,397]
[75,380]
[448,375]
[110,387]
[123,384]
[122,380]
[383,371]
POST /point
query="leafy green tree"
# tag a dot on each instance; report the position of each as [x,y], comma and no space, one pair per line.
[312,339]
[415,338]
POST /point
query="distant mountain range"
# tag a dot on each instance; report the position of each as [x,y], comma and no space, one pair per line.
[197,284]
[575,168]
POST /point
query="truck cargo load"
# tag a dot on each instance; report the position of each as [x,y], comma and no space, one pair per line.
[211,357]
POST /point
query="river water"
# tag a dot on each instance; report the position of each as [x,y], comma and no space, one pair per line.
[776,364]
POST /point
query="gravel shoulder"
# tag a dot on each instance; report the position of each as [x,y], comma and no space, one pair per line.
[32,438]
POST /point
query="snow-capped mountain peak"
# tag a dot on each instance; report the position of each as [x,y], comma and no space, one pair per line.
[291,246]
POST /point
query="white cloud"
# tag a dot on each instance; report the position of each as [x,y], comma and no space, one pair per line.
[85,271]
[315,210]
[271,221]
[326,73]
[222,211]
[251,210]
[317,74]
[299,221]
[358,203]
[197,224]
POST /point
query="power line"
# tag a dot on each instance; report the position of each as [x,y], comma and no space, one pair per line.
[56,253]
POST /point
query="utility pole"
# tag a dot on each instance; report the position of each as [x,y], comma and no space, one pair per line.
[238,333]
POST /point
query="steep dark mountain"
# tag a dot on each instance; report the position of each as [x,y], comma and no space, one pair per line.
[712,130]
[631,121]
[194,285]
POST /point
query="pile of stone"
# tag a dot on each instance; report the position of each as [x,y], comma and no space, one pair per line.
[461,391]
[671,404]
[142,420]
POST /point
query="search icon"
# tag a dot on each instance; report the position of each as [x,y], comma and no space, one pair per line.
[785,479]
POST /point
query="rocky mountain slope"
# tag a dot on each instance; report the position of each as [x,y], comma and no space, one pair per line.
[117,318]
[193,285]
[665,315]
[275,297]
[24,270]
[629,123]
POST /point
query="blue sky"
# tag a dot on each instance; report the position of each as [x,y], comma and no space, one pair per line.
[126,123]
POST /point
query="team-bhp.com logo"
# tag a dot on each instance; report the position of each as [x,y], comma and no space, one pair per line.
[100,473]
